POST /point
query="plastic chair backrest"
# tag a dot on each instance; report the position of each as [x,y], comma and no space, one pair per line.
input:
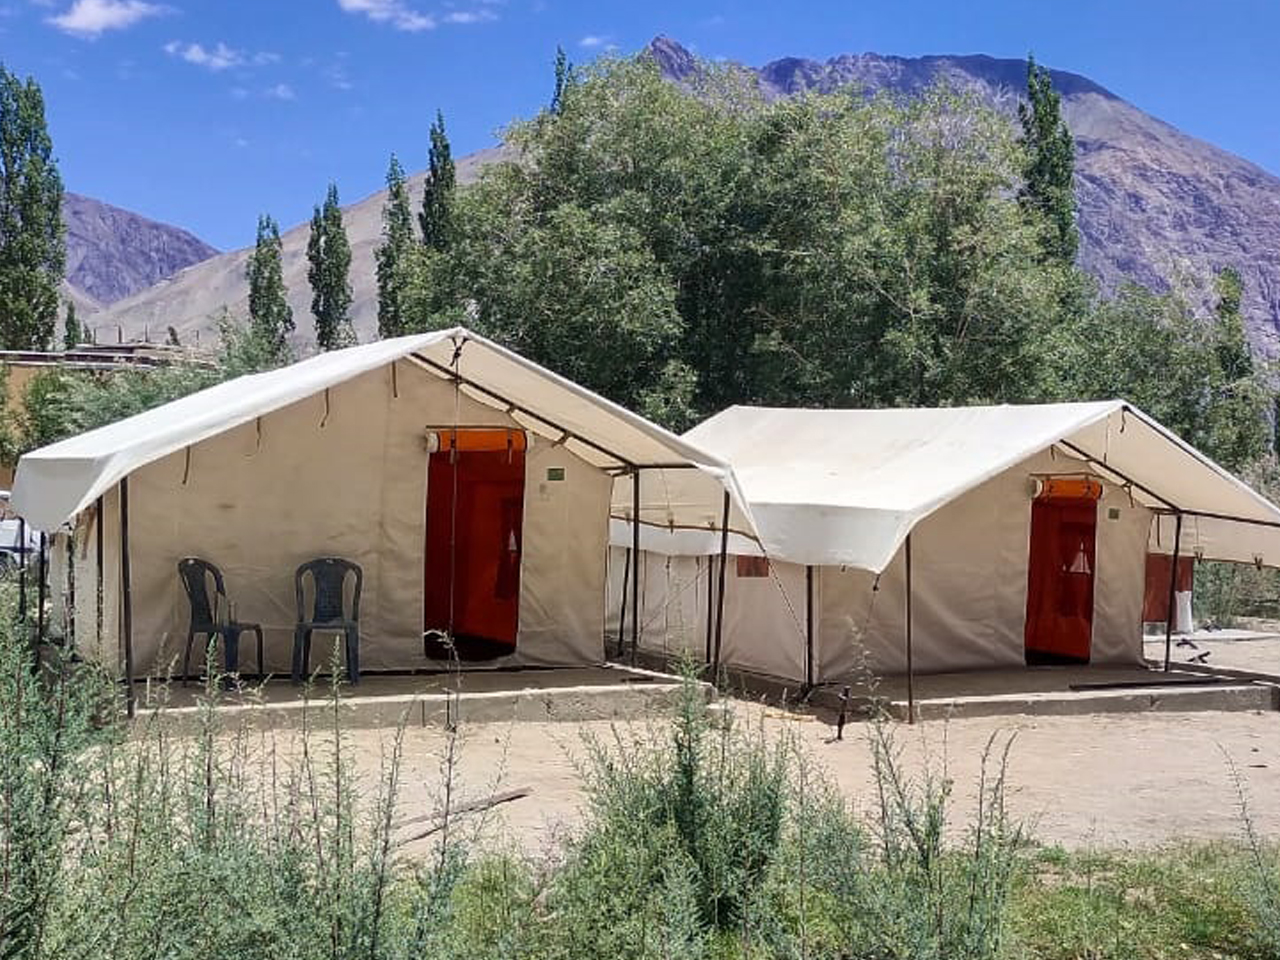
[329,577]
[196,574]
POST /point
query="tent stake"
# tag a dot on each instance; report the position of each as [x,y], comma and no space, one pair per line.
[1173,589]
[911,679]
[126,597]
[808,628]
[724,555]
[635,566]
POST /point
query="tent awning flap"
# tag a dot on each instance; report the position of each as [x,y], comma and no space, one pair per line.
[56,482]
[845,487]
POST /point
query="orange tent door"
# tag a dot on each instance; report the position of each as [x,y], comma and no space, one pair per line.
[475,517]
[1059,624]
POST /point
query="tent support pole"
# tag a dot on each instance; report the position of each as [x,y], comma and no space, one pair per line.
[71,586]
[711,603]
[635,564]
[126,598]
[42,571]
[1173,589]
[808,628]
[99,520]
[724,563]
[22,570]
[622,613]
[911,678]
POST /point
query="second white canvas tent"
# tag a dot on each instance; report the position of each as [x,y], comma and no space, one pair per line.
[330,456]
[835,494]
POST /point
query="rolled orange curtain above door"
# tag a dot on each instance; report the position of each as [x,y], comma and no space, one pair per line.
[1068,488]
[478,440]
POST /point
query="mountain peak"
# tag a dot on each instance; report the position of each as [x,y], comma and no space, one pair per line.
[673,59]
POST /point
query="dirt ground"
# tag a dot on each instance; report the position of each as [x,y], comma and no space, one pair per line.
[1091,781]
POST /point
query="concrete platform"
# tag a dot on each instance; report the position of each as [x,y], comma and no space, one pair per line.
[1059,691]
[591,693]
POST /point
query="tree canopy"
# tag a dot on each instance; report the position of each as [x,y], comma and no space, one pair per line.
[680,249]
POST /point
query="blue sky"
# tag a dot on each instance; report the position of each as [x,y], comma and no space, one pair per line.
[204,112]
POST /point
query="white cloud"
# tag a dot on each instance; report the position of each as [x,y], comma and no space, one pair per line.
[482,15]
[281,91]
[393,12]
[591,40]
[92,18]
[217,57]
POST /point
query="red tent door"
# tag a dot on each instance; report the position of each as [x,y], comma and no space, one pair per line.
[475,515]
[1059,624]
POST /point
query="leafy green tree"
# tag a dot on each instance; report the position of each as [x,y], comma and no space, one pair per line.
[270,315]
[73,334]
[329,272]
[681,250]
[1193,374]
[436,217]
[32,251]
[394,256]
[1049,174]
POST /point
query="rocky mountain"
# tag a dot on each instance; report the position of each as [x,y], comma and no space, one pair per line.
[112,253]
[192,300]
[1154,202]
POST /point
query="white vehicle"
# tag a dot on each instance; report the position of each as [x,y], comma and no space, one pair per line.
[12,546]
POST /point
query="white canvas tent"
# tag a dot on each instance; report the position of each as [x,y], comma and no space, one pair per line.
[331,457]
[839,498]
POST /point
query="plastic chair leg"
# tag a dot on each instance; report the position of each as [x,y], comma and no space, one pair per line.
[353,654]
[186,657]
[301,652]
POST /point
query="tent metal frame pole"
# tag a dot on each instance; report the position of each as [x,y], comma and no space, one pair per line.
[126,599]
[724,565]
[101,520]
[635,566]
[622,612]
[1173,589]
[513,406]
[1095,462]
[42,571]
[22,570]
[911,674]
[711,604]
[1230,519]
[71,587]
[808,628]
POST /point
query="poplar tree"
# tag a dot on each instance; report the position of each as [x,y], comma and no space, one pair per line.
[72,332]
[1049,170]
[394,255]
[435,219]
[329,256]
[32,249]
[271,318]
[564,77]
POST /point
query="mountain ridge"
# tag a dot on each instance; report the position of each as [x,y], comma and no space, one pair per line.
[1155,204]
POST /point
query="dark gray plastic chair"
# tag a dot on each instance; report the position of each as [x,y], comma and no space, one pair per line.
[210,615]
[329,578]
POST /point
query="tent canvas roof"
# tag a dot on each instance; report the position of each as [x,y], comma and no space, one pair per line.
[845,487]
[56,482]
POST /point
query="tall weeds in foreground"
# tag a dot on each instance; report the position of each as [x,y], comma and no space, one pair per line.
[704,838]
[46,722]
